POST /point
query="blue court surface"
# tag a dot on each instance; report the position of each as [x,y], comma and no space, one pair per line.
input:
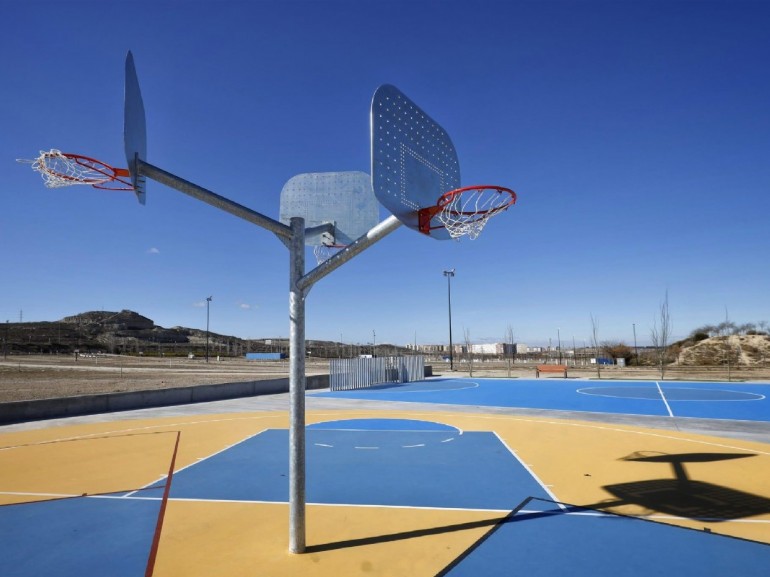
[739,401]
[397,465]
[580,542]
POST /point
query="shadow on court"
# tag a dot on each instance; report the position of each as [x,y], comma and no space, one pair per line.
[576,540]
[685,497]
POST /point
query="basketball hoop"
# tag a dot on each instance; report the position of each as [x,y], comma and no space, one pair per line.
[465,211]
[324,252]
[63,169]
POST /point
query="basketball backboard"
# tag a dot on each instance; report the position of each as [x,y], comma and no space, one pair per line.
[134,129]
[344,199]
[413,159]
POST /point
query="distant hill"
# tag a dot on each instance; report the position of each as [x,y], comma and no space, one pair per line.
[128,332]
[124,332]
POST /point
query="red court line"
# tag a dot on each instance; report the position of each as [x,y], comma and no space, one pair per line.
[162,512]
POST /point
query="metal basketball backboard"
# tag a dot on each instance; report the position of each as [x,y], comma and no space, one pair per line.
[344,199]
[134,129]
[413,159]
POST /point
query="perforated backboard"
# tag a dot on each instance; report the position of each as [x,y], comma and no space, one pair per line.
[344,199]
[134,128]
[413,159]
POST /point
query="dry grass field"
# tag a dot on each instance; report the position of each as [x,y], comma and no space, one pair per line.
[30,377]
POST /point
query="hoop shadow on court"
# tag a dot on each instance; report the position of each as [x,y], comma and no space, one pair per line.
[682,496]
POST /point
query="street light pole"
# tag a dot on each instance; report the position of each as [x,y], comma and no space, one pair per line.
[558,338]
[374,344]
[208,301]
[449,274]
[636,350]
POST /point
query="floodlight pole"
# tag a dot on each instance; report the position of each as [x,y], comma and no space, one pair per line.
[208,301]
[449,274]
[636,350]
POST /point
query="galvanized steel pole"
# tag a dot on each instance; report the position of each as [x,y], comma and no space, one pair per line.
[299,285]
[213,199]
[297,388]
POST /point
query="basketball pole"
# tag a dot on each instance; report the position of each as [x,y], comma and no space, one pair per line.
[297,386]
[293,237]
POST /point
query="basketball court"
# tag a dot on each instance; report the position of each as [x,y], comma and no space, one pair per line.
[736,401]
[425,490]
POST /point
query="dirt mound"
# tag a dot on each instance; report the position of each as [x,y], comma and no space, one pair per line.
[748,350]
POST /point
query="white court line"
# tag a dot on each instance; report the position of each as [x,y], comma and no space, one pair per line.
[197,461]
[529,470]
[456,430]
[587,512]
[665,402]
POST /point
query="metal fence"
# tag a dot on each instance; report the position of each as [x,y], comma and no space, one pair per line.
[362,373]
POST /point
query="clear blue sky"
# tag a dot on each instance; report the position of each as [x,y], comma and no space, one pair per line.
[637,135]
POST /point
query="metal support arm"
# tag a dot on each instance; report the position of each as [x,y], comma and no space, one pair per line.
[159,175]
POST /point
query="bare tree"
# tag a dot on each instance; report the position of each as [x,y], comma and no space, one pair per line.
[618,350]
[469,349]
[731,354]
[728,352]
[509,354]
[661,334]
[726,328]
[595,344]
[747,329]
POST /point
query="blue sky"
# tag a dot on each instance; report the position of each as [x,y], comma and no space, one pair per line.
[636,134]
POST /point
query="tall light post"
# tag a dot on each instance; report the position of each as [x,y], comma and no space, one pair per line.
[636,350]
[558,338]
[449,274]
[208,302]
[374,344]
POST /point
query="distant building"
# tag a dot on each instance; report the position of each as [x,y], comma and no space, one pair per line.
[496,349]
[487,349]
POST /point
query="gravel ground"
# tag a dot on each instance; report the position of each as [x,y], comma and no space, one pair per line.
[33,377]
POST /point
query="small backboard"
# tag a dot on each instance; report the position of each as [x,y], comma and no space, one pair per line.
[343,200]
[413,159]
[134,129]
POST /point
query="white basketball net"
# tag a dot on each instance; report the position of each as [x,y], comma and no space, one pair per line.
[323,252]
[59,170]
[467,212]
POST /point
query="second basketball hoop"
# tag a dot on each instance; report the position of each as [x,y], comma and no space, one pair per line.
[65,169]
[416,173]
[466,211]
